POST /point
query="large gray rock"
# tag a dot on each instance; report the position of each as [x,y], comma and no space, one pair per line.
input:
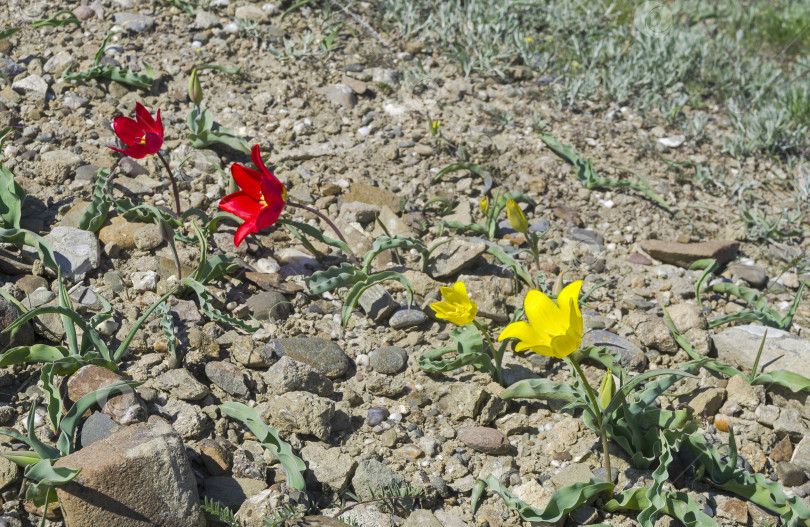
[182,385]
[290,375]
[323,355]
[455,256]
[630,355]
[138,477]
[377,303]
[782,350]
[32,87]
[229,377]
[301,413]
[372,476]
[76,251]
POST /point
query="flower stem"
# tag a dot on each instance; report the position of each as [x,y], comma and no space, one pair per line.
[174,184]
[320,215]
[496,353]
[598,413]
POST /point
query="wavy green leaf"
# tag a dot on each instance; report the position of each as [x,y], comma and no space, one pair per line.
[342,275]
[11,199]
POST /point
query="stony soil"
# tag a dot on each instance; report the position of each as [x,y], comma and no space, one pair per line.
[347,132]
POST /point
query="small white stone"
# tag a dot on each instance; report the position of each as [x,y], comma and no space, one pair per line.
[267,265]
[231,27]
[144,280]
[362,360]
[108,327]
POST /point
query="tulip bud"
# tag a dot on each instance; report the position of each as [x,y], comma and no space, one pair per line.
[607,390]
[194,88]
[516,217]
[484,203]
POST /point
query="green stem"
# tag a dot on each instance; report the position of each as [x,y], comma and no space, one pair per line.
[497,353]
[598,413]
[174,183]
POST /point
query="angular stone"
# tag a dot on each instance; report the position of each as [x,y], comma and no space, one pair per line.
[801,454]
[328,466]
[685,254]
[782,351]
[290,375]
[790,423]
[377,303]
[741,392]
[24,336]
[630,355]
[230,378]
[324,355]
[134,22]
[732,509]
[182,385]
[188,419]
[372,476]
[124,409]
[122,232]
[573,473]
[124,481]
[454,257]
[300,412]
[76,251]
[270,305]
[32,87]
[483,439]
[340,95]
[9,472]
[755,276]
[231,492]
[253,354]
[58,165]
[422,518]
[790,474]
[707,402]
[216,458]
[783,450]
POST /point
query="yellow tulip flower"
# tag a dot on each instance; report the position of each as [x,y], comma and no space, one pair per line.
[553,330]
[484,204]
[516,217]
[457,306]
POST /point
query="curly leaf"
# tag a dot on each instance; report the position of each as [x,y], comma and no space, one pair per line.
[542,389]
[206,302]
[518,269]
[269,438]
[11,199]
[344,275]
[561,503]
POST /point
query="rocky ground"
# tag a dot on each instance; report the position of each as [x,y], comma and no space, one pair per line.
[347,132]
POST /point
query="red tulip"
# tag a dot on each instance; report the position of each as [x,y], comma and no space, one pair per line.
[142,135]
[260,201]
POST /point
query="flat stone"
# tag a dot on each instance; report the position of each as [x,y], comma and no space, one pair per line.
[732,509]
[389,360]
[270,305]
[120,231]
[455,256]
[422,518]
[148,237]
[290,375]
[340,95]
[741,392]
[97,427]
[790,423]
[783,450]
[790,474]
[328,466]
[483,439]
[76,251]
[252,12]
[230,378]
[182,385]
[231,492]
[247,352]
[407,318]
[630,355]
[134,22]
[707,402]
[59,165]
[573,473]
[685,254]
[782,351]
[132,469]
[377,303]
[205,20]
[755,276]
[32,87]
[324,355]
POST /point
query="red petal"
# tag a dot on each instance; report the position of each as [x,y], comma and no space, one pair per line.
[136,151]
[127,130]
[272,189]
[145,119]
[256,156]
[159,126]
[243,230]
[241,204]
[269,214]
[153,142]
[248,180]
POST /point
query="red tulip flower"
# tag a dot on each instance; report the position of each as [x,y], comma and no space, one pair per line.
[142,135]
[260,201]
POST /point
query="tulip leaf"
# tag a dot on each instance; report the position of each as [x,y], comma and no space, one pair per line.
[98,211]
[269,438]
[115,73]
[517,268]
[469,352]
[297,228]
[203,134]
[22,458]
[206,302]
[35,353]
[337,276]
[55,21]
[24,237]
[542,389]
[11,199]
[561,503]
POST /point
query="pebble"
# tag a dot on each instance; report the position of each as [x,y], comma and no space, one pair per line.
[270,305]
[134,22]
[790,474]
[376,415]
[389,360]
[407,318]
[144,280]
[324,355]
[32,87]
[483,439]
[182,385]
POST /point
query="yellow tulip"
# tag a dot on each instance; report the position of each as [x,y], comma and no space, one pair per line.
[516,217]
[457,306]
[553,330]
[484,204]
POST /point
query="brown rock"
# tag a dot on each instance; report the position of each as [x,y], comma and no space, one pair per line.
[138,477]
[216,457]
[30,283]
[120,231]
[685,254]
[125,409]
[783,450]
[639,259]
[732,509]
[708,401]
[359,87]
[567,214]
[483,439]
[372,195]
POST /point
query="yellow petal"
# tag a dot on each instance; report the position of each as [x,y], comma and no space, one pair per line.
[569,293]
[461,289]
[543,313]
[527,335]
[564,345]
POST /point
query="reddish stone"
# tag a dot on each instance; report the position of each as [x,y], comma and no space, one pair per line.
[483,439]
[639,259]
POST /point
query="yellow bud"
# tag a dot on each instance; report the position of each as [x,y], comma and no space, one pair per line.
[484,203]
[516,217]
[607,390]
[194,88]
